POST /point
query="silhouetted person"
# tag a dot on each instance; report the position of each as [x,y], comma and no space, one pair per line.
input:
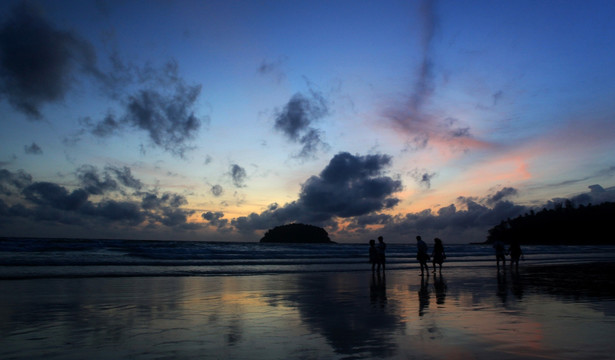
[381,253]
[438,254]
[373,254]
[421,254]
[500,252]
[515,253]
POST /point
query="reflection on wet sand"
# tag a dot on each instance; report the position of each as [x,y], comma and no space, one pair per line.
[478,313]
[338,311]
[378,289]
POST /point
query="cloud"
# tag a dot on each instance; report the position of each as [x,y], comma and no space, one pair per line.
[412,116]
[238,174]
[39,64]
[38,61]
[423,177]
[151,200]
[164,108]
[125,177]
[92,182]
[350,185]
[497,96]
[296,121]
[168,119]
[216,190]
[500,195]
[33,149]
[215,219]
[273,69]
[99,202]
[13,182]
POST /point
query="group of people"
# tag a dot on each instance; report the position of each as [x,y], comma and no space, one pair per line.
[514,250]
[377,253]
[437,256]
[378,259]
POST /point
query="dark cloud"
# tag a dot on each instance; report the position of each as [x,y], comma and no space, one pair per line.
[107,127]
[93,183]
[39,64]
[55,196]
[238,174]
[451,223]
[350,185]
[168,119]
[216,190]
[37,61]
[33,149]
[11,183]
[296,121]
[164,109]
[215,218]
[117,211]
[151,200]
[500,195]
[125,177]
[54,203]
[423,177]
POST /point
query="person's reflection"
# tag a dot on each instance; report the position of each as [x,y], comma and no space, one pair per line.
[424,295]
[440,286]
[502,291]
[517,284]
[378,289]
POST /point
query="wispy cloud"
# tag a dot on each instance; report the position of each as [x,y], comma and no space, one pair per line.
[33,149]
[296,121]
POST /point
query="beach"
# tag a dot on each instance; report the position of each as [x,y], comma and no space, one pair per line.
[564,311]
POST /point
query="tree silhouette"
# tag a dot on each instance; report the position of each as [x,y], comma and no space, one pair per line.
[564,224]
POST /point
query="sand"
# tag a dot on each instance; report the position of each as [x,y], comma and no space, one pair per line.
[547,312]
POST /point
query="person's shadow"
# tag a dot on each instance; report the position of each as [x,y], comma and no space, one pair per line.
[378,289]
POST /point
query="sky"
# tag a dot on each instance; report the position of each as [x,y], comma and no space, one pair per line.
[218,120]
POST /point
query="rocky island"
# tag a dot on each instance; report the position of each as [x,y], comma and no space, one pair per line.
[297,234]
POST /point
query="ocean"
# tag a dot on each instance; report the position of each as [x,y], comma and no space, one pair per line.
[26,258]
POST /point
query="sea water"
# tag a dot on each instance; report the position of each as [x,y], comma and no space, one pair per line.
[22,258]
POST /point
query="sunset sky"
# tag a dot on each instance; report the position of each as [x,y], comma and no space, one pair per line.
[217,120]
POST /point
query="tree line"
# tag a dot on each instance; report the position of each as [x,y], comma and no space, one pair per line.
[565,224]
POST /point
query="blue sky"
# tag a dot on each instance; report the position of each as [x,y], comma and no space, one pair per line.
[218,120]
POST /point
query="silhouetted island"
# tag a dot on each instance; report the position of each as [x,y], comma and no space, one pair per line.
[297,234]
[563,225]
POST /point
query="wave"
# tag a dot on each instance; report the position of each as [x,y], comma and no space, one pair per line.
[38,258]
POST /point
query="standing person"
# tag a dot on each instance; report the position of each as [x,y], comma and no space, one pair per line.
[500,253]
[381,253]
[373,254]
[438,254]
[421,254]
[515,253]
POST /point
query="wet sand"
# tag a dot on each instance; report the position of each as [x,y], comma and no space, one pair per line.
[540,312]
